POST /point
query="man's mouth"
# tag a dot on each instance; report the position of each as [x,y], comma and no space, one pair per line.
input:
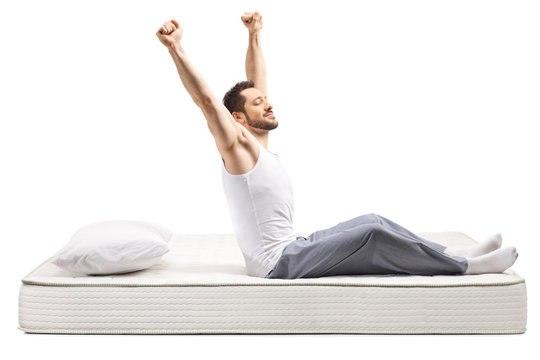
[270,113]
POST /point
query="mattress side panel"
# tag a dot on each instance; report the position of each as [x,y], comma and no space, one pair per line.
[273,309]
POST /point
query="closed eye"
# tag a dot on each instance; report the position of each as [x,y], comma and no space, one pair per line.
[257,100]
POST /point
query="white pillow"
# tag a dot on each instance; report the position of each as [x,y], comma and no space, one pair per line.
[114,247]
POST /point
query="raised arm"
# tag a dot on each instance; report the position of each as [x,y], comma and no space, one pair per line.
[255,66]
[220,122]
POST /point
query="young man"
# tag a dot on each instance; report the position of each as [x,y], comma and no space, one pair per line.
[260,195]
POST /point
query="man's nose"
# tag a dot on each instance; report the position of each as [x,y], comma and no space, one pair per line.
[268,106]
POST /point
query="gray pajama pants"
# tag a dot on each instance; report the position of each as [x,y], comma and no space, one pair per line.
[368,244]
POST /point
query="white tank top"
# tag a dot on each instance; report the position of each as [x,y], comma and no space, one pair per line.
[261,206]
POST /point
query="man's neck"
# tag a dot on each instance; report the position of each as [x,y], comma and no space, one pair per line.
[262,138]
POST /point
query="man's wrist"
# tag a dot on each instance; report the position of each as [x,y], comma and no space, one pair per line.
[175,48]
[254,36]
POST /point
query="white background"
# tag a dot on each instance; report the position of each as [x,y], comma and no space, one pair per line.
[422,111]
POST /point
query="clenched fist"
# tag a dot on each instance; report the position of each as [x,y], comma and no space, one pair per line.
[170,33]
[253,21]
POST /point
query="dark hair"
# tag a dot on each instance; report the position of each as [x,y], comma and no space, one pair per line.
[233,100]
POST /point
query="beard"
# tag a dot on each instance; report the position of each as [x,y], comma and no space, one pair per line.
[261,124]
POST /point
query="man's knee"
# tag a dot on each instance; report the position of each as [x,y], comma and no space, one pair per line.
[376,216]
[376,230]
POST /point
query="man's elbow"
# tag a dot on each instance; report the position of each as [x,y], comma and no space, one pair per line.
[204,101]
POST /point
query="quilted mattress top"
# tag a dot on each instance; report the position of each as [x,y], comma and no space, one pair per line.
[216,260]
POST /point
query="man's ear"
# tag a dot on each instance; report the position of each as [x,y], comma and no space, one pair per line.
[239,117]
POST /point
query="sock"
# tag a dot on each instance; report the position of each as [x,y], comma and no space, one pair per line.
[495,262]
[490,244]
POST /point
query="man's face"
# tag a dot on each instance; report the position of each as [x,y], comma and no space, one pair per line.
[258,113]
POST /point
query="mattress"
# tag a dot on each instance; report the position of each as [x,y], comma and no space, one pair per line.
[201,287]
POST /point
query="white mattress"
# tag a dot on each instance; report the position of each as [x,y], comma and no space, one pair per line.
[201,287]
